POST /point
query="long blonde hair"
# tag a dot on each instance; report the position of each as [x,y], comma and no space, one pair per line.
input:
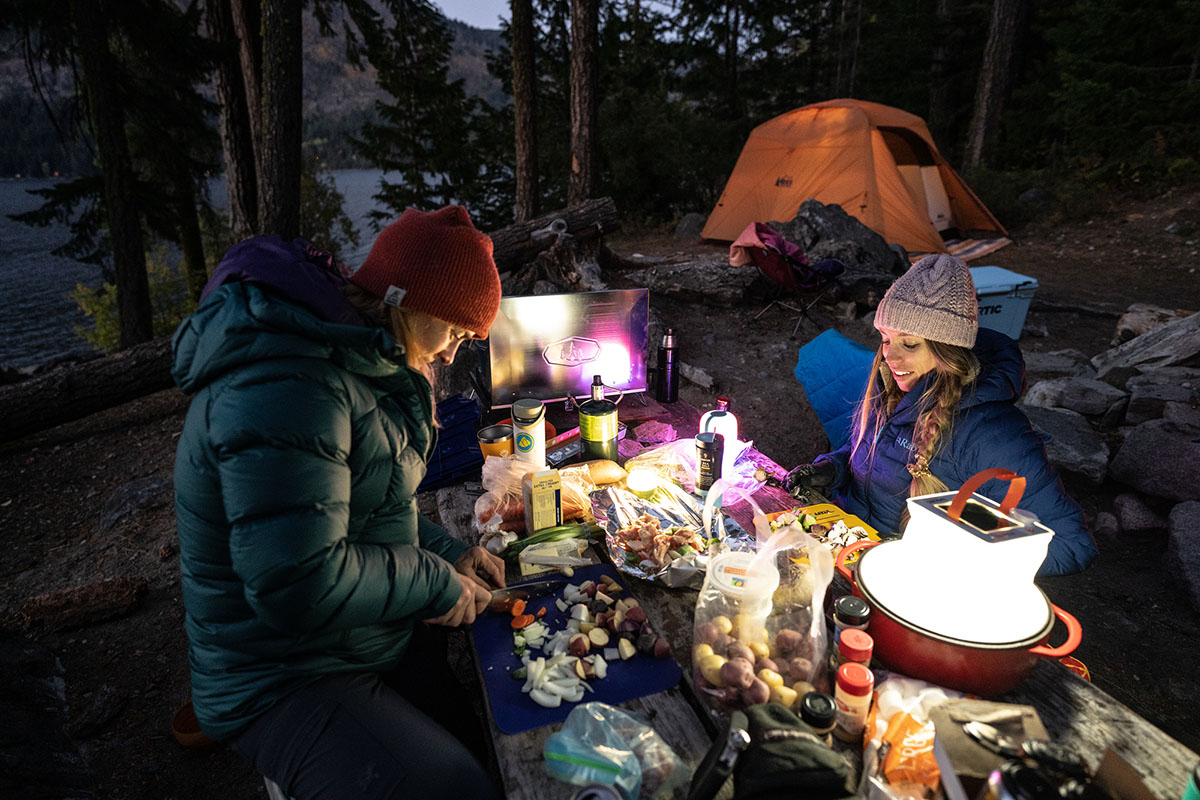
[397,321]
[954,370]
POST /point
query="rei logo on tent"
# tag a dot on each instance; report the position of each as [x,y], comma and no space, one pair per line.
[784,181]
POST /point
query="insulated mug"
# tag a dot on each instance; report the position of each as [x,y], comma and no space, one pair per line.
[496,440]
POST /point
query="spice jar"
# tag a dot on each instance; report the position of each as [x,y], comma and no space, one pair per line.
[853,697]
[849,611]
[819,711]
[855,646]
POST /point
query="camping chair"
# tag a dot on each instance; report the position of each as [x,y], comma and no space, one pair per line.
[784,265]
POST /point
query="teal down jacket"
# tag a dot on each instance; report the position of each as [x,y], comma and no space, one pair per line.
[301,549]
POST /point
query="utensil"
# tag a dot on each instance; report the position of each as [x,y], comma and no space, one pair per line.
[1060,762]
[502,599]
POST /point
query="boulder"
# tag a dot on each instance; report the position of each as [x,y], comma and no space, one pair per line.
[1176,343]
[1106,526]
[1150,392]
[1071,443]
[1086,396]
[1182,559]
[1184,414]
[689,226]
[826,231]
[1160,459]
[1135,516]
[1068,363]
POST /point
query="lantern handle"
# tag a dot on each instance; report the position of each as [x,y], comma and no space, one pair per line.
[1015,489]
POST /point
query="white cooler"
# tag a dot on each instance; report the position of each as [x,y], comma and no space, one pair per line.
[1004,298]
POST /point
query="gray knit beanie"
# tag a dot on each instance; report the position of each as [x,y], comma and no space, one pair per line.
[935,300]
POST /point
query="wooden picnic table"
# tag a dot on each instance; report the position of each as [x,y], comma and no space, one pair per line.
[1075,713]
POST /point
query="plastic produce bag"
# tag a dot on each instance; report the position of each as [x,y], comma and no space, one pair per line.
[676,461]
[501,479]
[605,745]
[763,611]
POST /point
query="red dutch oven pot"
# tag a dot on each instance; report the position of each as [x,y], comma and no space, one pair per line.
[982,668]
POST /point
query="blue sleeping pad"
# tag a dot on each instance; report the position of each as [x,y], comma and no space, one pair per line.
[833,371]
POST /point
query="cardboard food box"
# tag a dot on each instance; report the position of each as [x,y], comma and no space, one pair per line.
[543,499]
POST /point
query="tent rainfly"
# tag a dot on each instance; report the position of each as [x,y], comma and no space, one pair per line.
[877,162]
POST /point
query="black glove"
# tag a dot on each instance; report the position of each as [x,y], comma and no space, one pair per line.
[811,476]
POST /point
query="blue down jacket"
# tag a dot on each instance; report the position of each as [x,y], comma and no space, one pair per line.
[301,549]
[988,431]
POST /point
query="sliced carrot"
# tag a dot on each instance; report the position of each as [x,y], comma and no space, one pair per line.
[523,621]
[541,612]
[518,608]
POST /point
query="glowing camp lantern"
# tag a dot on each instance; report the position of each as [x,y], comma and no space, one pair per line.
[965,567]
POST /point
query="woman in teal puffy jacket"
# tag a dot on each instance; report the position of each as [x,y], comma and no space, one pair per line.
[940,408]
[310,580]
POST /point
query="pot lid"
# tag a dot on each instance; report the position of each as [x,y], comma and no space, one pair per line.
[969,606]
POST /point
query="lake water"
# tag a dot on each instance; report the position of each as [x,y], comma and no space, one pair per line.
[38,318]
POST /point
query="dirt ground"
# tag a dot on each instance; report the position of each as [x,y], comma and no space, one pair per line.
[1141,639]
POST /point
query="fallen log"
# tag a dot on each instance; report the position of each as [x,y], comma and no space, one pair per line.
[517,244]
[72,392]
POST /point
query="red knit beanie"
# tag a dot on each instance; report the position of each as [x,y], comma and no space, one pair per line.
[438,263]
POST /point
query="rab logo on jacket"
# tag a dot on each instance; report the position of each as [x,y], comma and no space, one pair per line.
[903,442]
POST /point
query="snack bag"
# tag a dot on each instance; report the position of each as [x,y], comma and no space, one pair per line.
[899,719]
[501,478]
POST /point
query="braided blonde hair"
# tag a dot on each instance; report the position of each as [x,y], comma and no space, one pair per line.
[955,369]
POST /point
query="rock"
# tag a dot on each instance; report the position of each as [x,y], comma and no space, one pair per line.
[1087,396]
[1142,318]
[1134,515]
[40,759]
[1182,559]
[134,495]
[1036,331]
[1179,229]
[1175,343]
[1150,392]
[707,281]
[1068,363]
[99,708]
[1185,414]
[1036,197]
[1160,459]
[1071,444]
[1106,526]
[689,226]
[827,231]
[696,375]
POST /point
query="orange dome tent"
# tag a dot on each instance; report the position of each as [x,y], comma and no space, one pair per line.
[877,162]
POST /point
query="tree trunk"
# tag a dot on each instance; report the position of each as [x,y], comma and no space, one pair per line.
[191,243]
[116,166]
[585,23]
[237,138]
[282,83]
[941,77]
[524,109]
[995,77]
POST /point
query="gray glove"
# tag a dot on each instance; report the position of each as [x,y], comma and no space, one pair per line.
[811,476]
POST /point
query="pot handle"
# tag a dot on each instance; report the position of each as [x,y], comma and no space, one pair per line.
[1074,636]
[846,552]
[1011,498]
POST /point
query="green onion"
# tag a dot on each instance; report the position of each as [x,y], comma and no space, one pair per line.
[577,530]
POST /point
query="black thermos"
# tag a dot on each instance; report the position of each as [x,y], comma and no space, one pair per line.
[666,390]
[709,450]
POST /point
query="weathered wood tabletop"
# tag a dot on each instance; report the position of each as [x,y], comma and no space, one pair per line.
[1075,712]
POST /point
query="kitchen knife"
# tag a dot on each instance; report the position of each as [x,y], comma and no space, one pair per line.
[502,599]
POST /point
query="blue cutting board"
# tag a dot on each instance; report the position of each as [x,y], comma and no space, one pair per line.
[514,711]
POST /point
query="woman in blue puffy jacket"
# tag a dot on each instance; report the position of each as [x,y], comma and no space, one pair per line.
[939,408]
[314,589]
